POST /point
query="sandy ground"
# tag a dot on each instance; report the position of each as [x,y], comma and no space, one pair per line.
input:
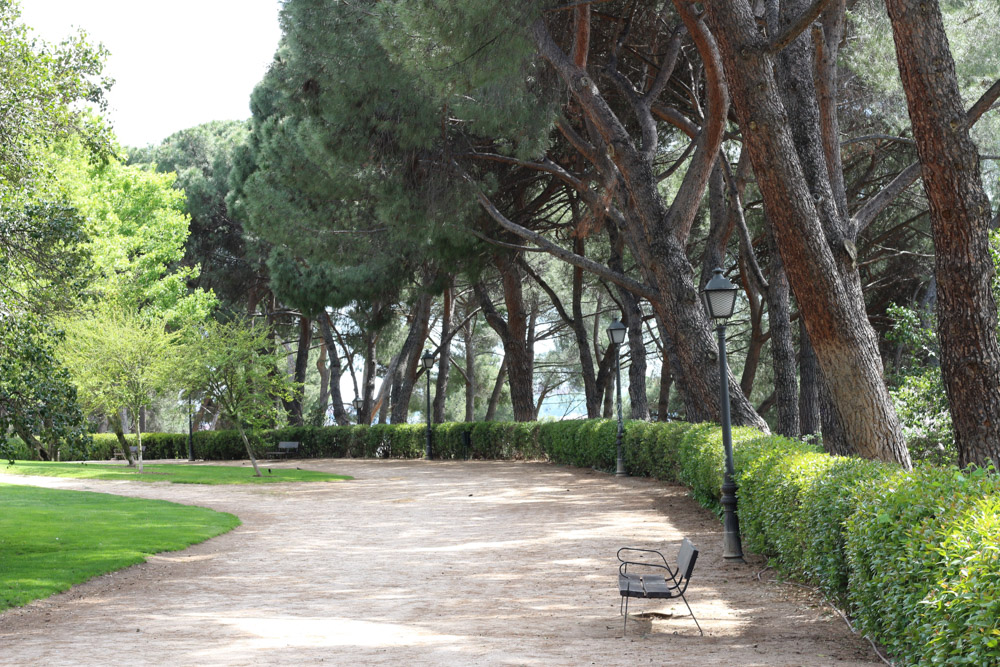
[427,563]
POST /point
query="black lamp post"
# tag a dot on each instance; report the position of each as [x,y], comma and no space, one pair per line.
[616,332]
[720,300]
[428,361]
[358,404]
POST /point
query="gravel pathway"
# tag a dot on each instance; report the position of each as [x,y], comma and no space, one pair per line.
[427,563]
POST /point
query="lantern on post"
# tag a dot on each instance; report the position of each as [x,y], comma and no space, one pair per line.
[720,301]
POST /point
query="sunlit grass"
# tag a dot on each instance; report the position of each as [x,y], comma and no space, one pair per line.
[178,473]
[52,539]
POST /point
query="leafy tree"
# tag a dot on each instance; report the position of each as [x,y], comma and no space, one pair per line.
[137,231]
[203,159]
[41,238]
[37,398]
[233,365]
[120,361]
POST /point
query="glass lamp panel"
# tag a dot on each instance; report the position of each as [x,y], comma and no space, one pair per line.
[721,303]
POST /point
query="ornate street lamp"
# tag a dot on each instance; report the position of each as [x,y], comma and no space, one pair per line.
[720,300]
[616,332]
[358,404]
[428,361]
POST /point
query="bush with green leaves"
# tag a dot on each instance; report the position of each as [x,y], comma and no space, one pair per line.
[924,558]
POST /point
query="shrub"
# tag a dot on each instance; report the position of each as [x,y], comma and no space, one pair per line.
[915,572]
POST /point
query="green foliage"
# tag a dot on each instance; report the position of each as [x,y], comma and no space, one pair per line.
[119,360]
[203,158]
[53,539]
[44,84]
[917,387]
[37,399]
[909,557]
[922,407]
[137,230]
[233,366]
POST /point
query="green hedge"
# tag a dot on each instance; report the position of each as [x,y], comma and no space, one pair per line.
[914,556]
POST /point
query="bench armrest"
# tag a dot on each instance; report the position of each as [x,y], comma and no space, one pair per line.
[625,555]
[647,551]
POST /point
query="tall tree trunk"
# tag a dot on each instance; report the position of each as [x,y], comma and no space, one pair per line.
[638,402]
[491,408]
[336,397]
[444,355]
[656,233]
[786,396]
[420,317]
[368,407]
[116,424]
[835,441]
[389,404]
[138,436]
[609,400]
[294,406]
[960,221]
[591,394]
[816,246]
[323,368]
[808,385]
[666,380]
[514,333]
[631,318]
[246,443]
[470,371]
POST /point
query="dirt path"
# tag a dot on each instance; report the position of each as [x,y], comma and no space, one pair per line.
[416,563]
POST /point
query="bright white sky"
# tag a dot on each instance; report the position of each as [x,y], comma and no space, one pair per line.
[176,64]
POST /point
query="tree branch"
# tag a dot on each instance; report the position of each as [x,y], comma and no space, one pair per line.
[796,28]
[877,203]
[548,290]
[565,255]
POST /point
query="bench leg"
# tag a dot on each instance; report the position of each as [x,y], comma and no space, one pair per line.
[625,623]
[692,615]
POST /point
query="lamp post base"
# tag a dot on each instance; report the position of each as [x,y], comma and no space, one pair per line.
[732,543]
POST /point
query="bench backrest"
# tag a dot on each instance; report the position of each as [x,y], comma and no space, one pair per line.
[288,445]
[686,558]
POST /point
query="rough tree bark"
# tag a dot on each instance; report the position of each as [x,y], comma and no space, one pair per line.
[781,132]
[491,408]
[786,397]
[468,333]
[336,398]
[294,406]
[960,220]
[655,232]
[515,335]
[412,349]
[808,385]
[444,355]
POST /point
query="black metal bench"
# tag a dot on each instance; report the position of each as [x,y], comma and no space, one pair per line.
[655,579]
[284,449]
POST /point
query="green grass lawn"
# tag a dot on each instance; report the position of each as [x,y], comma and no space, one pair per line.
[52,539]
[179,473]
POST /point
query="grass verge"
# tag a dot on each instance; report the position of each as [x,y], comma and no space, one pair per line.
[51,539]
[178,473]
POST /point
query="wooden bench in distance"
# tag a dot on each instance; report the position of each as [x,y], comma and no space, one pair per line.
[652,577]
[284,449]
